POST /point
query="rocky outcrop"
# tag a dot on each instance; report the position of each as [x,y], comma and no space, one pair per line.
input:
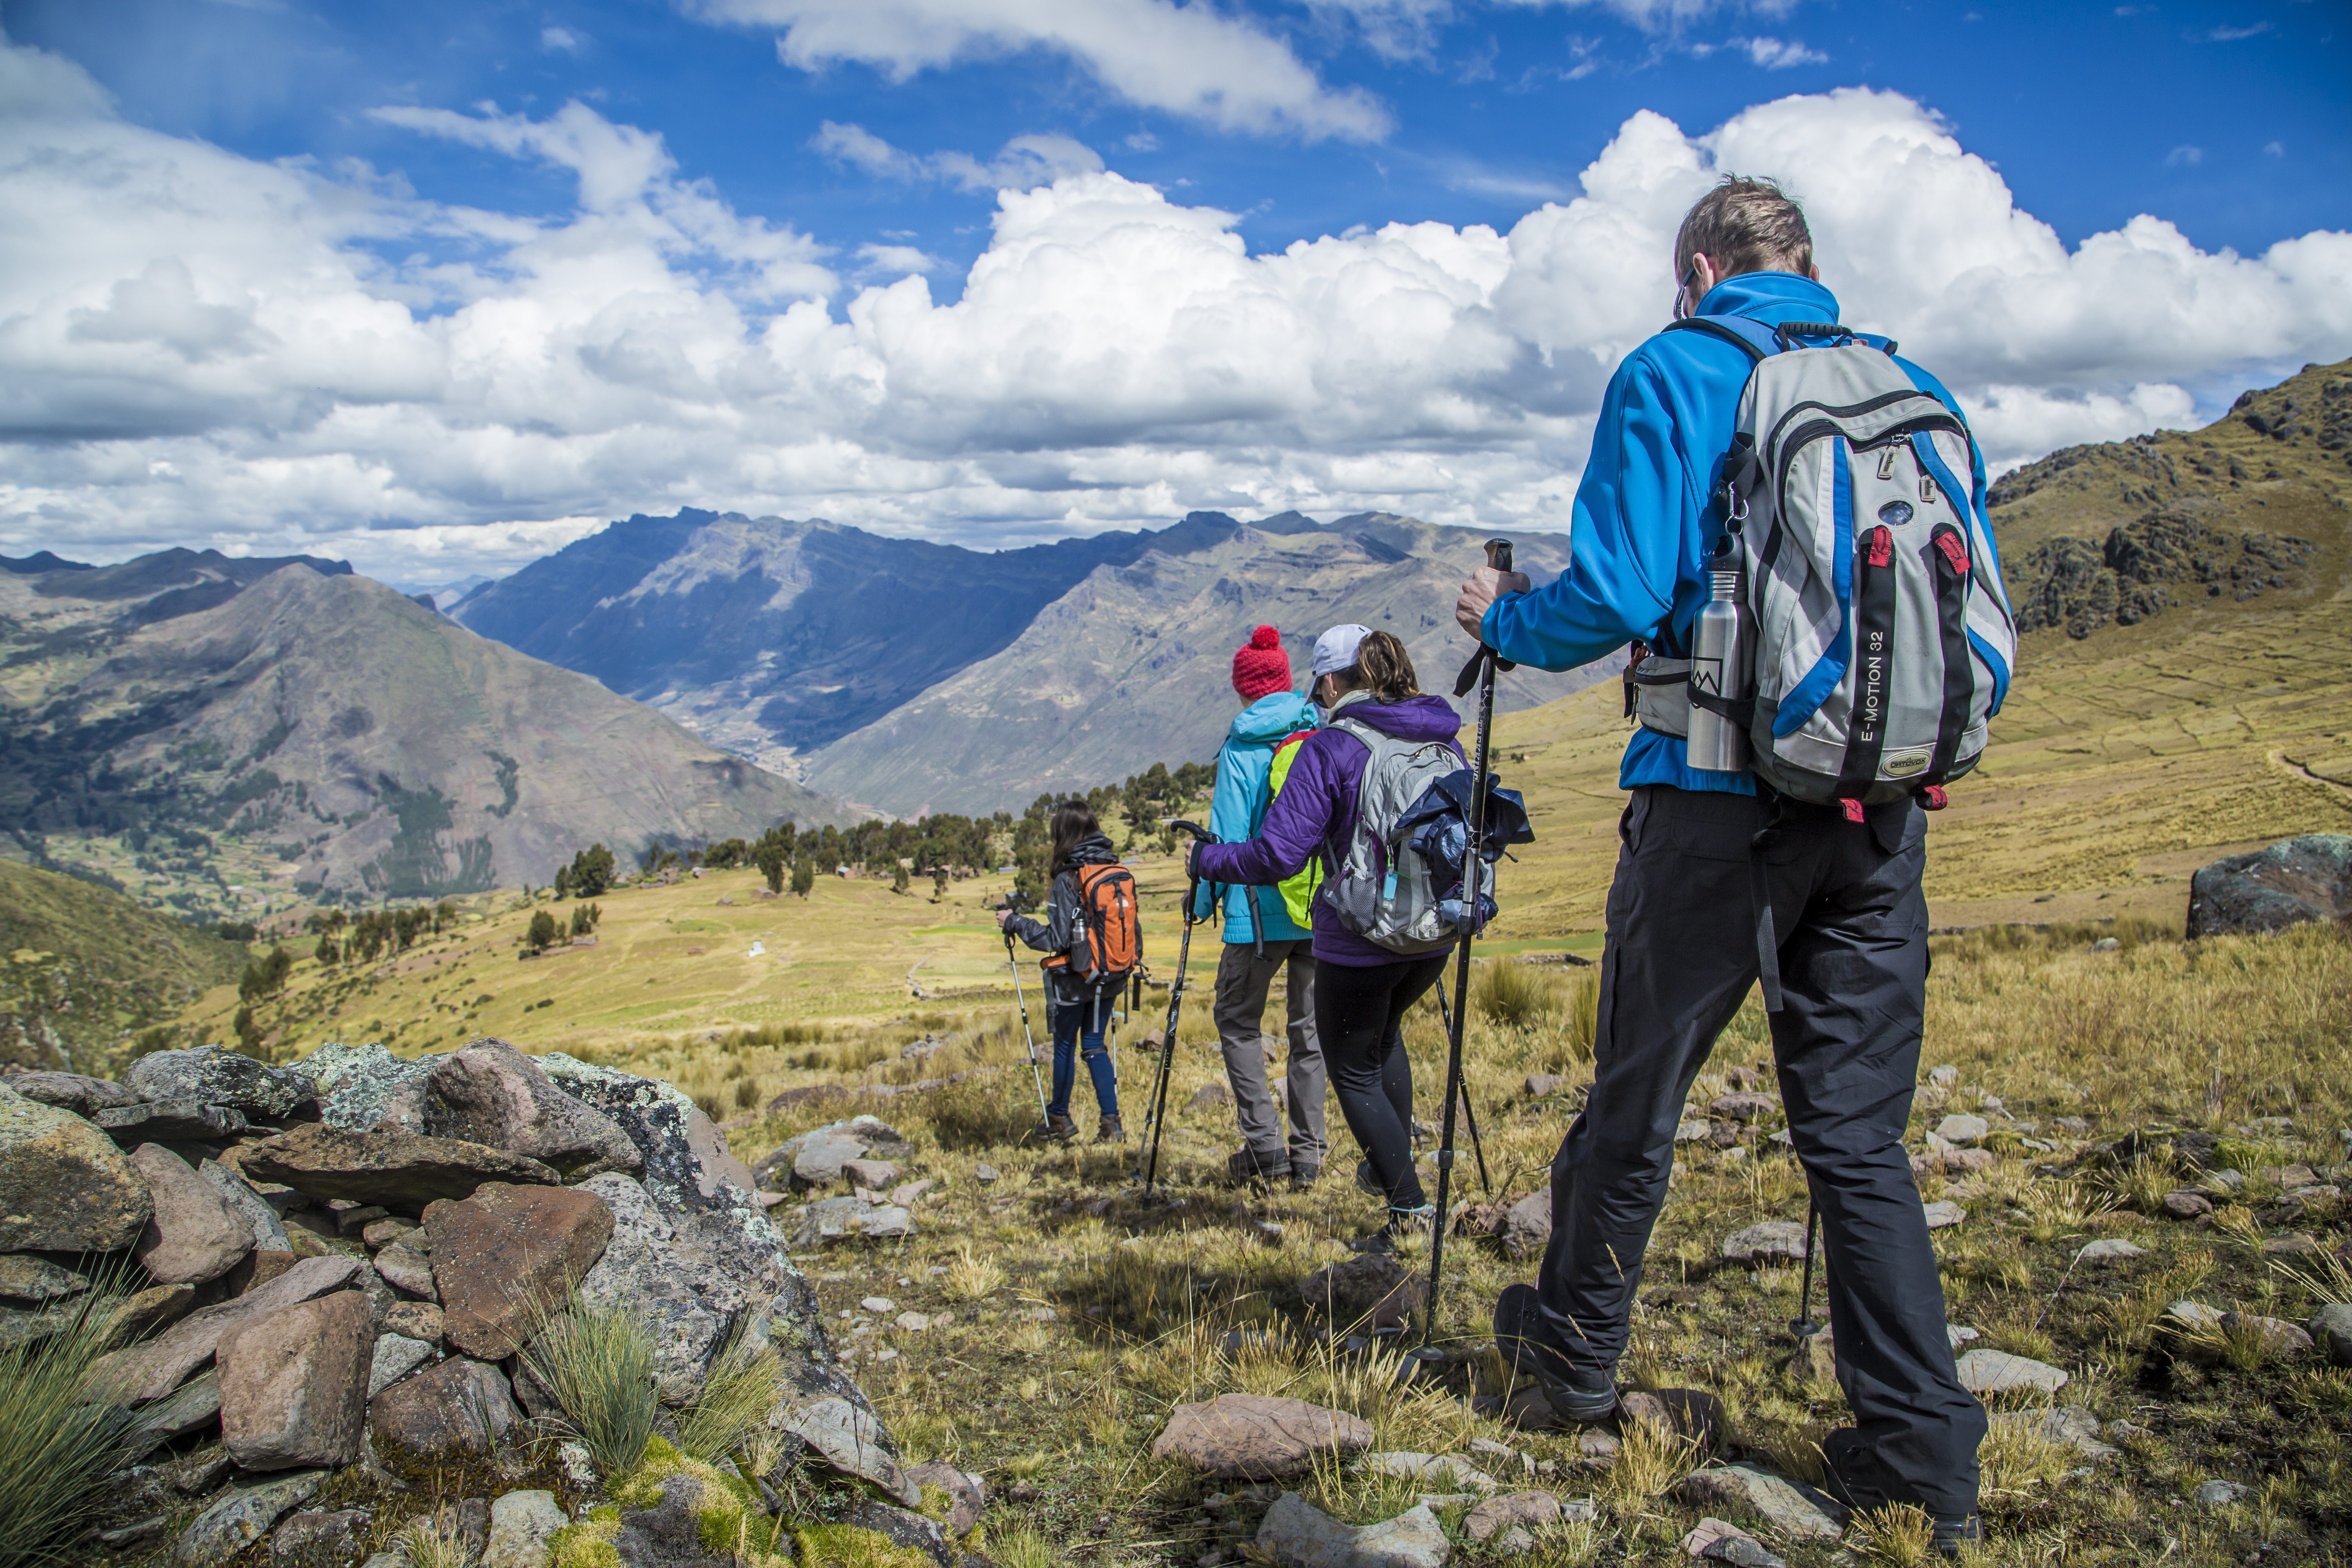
[2294,880]
[270,1327]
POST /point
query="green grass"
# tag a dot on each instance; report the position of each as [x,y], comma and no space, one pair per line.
[59,1437]
[598,1362]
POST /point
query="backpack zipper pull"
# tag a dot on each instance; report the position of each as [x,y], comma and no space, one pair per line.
[1887,464]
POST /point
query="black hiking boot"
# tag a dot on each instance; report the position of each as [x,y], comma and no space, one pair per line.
[1853,1473]
[1520,1335]
[1057,1130]
[1248,1167]
[1402,1223]
[1304,1176]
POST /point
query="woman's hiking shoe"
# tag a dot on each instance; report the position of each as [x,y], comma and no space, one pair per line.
[1853,1473]
[1573,1393]
[1057,1130]
[1247,1165]
[1112,1131]
[1402,1223]
[1304,1176]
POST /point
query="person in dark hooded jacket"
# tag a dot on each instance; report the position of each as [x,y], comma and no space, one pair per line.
[1363,990]
[1074,1004]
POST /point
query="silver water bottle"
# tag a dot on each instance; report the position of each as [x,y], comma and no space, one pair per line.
[1723,653]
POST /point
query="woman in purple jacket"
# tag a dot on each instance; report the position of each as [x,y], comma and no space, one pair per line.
[1362,990]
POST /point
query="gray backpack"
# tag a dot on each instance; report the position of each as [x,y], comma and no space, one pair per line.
[1382,891]
[1884,641]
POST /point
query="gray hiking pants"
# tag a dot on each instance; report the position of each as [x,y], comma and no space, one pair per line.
[1244,981]
[1852,924]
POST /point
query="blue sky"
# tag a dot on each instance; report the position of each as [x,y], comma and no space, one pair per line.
[2232,120]
[438,286]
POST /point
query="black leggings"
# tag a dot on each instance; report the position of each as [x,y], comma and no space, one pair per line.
[1359,1018]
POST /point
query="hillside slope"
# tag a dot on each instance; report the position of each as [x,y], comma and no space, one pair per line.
[2209,714]
[217,737]
[82,968]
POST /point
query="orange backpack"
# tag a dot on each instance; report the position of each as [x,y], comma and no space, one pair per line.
[1112,922]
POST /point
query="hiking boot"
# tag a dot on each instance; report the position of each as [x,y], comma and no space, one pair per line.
[1574,1393]
[1247,1165]
[1402,1223]
[1111,1130]
[1853,1473]
[1057,1130]
[1304,1176]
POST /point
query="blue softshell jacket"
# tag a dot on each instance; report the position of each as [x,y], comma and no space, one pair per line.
[1646,518]
[1238,805]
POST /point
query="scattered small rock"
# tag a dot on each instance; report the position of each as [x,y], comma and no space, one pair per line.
[984,1173]
[1684,1414]
[1943,1216]
[1963,1130]
[1370,1290]
[2218,1494]
[2109,1249]
[1944,1076]
[2332,1330]
[2187,1205]
[1531,1510]
[1791,1505]
[1210,1097]
[1773,1241]
[1543,1085]
[1984,1372]
[2276,1335]
[1297,1534]
[2070,1426]
[1743,1107]
[521,1525]
[1250,1436]
[1720,1541]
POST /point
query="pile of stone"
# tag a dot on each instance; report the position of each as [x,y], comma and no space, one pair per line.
[864,1155]
[335,1267]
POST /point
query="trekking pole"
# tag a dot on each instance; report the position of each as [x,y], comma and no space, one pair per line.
[1022,1002]
[1469,1112]
[1480,671]
[1804,1327]
[1175,1009]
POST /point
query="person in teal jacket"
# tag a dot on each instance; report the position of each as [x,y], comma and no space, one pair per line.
[1850,918]
[1261,939]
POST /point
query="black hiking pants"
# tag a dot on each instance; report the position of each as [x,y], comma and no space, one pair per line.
[1852,924]
[1360,1019]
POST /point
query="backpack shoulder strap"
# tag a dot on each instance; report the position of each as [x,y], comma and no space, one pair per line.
[1756,340]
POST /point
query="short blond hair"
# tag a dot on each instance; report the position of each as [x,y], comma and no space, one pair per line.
[1745,225]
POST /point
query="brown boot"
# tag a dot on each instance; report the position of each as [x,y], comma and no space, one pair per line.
[1058,1130]
[1112,1131]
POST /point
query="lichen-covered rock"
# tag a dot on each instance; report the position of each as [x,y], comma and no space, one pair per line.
[394,1357]
[2308,877]
[1794,1509]
[826,1415]
[384,1167]
[191,1235]
[321,1540]
[85,1096]
[243,1516]
[211,1075]
[521,1525]
[664,1274]
[1297,1534]
[362,1087]
[508,1256]
[189,1408]
[36,1280]
[966,1495]
[488,1092]
[172,1122]
[408,1271]
[64,1185]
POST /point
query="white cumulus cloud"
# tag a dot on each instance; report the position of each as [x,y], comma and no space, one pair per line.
[1188,59]
[1025,161]
[197,348]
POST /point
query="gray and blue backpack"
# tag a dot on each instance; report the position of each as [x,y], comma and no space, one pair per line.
[1884,640]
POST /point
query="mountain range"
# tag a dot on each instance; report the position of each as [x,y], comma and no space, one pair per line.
[904,677]
[218,733]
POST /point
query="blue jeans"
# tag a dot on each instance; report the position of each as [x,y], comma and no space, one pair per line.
[1071,1022]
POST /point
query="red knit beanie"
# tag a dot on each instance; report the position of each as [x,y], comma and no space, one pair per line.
[1262,668]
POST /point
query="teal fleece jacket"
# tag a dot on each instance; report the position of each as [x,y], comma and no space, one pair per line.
[1238,806]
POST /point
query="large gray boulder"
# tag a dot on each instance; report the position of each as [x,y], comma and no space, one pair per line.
[674,1275]
[384,1166]
[211,1075]
[363,1088]
[491,1093]
[2296,880]
[64,1185]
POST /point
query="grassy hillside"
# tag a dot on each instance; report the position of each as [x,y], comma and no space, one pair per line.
[82,970]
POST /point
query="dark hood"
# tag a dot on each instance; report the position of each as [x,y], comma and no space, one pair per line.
[1093,850]
[1422,718]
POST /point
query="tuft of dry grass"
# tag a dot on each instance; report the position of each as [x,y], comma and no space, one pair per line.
[971,1278]
[1900,1535]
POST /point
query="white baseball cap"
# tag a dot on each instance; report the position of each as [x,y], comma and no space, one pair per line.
[1335,650]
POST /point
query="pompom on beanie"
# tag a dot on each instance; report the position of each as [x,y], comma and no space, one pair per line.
[1260,668]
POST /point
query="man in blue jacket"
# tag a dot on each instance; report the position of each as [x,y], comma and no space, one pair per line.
[1682,948]
[1261,939]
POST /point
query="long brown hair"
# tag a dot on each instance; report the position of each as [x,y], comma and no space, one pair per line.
[1073,820]
[1384,668]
